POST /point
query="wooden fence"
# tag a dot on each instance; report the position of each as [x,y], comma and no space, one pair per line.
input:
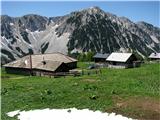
[63,74]
[90,72]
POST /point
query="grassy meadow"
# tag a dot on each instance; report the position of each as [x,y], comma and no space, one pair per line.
[131,92]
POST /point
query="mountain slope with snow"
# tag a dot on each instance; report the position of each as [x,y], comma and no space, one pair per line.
[90,29]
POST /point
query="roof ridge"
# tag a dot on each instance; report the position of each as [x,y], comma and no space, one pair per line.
[67,56]
[44,53]
[70,58]
[55,53]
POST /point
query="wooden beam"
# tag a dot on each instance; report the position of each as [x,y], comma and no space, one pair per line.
[30,58]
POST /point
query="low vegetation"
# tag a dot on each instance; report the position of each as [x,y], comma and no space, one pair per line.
[131,92]
[83,57]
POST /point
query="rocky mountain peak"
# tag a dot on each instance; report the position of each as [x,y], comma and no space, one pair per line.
[33,22]
[93,10]
[6,19]
[90,29]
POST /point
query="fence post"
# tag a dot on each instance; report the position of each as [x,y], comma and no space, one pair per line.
[82,72]
[100,71]
[88,73]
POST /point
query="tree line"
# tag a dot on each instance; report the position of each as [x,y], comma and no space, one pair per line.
[83,57]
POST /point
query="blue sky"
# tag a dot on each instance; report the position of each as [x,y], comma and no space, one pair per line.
[147,11]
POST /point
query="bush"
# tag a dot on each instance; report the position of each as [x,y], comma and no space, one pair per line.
[85,57]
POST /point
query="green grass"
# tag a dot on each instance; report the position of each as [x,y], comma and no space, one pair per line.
[96,91]
[83,65]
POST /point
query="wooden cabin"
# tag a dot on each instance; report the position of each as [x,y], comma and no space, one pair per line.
[100,58]
[122,60]
[154,57]
[41,63]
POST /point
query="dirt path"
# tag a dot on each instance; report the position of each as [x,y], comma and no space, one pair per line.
[138,108]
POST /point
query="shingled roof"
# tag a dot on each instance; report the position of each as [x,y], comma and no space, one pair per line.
[100,55]
[119,57]
[52,60]
[48,65]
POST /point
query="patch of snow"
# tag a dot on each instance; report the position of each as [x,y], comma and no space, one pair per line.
[52,21]
[75,50]
[3,37]
[30,46]
[37,31]
[27,30]
[11,24]
[12,114]
[155,39]
[66,114]
[56,25]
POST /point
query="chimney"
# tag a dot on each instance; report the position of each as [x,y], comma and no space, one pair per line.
[44,62]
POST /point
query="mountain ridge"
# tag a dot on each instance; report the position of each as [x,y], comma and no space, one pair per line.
[90,29]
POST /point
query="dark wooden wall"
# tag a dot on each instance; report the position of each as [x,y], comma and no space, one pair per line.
[99,59]
[20,71]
